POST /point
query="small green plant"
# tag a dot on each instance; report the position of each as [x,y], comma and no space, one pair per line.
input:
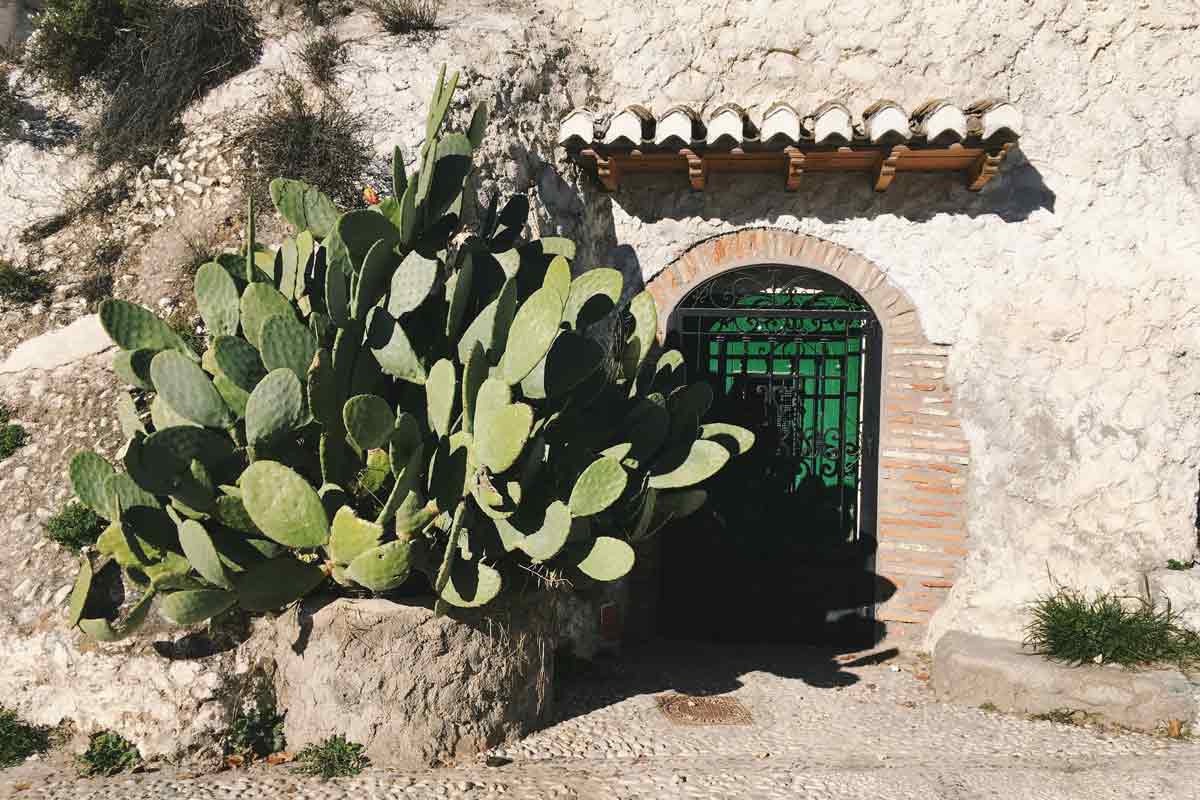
[22,285]
[184,327]
[12,436]
[988,706]
[256,733]
[322,54]
[1176,564]
[108,754]
[1068,626]
[405,16]
[19,740]
[332,758]
[75,527]
[324,145]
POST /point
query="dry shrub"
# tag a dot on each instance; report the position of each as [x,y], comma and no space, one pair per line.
[323,53]
[324,145]
[405,16]
[171,59]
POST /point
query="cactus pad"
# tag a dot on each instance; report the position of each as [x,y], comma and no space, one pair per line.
[573,358]
[471,584]
[392,349]
[369,421]
[185,387]
[533,330]
[217,299]
[548,539]
[277,582]
[132,327]
[239,361]
[260,302]
[104,631]
[593,295]
[608,559]
[378,268]
[382,568]
[202,554]
[702,460]
[441,392]
[287,342]
[737,439]
[195,605]
[351,536]
[283,505]
[598,487]
[304,206]
[79,593]
[89,472]
[411,283]
[501,433]
[275,407]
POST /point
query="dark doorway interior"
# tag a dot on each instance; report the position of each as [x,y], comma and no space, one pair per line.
[784,549]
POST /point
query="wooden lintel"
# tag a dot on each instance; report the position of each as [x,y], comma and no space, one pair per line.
[697,169]
[795,168]
[885,168]
[606,170]
[985,167]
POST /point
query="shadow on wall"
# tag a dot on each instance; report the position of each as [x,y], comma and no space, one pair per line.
[1013,196]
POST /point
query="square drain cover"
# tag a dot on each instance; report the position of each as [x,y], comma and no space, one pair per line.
[683,709]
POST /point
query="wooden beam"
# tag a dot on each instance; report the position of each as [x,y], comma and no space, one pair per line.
[697,169]
[985,168]
[795,168]
[885,169]
[607,171]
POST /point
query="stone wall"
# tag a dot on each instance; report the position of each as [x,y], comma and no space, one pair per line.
[1064,291]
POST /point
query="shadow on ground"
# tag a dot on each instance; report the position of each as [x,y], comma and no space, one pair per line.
[698,669]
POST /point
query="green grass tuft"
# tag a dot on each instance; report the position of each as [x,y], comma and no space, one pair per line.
[256,733]
[19,740]
[108,754]
[1068,626]
[75,527]
[12,436]
[332,758]
[1176,564]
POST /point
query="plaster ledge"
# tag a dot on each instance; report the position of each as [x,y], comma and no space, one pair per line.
[974,670]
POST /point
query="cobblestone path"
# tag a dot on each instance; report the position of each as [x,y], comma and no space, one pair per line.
[822,727]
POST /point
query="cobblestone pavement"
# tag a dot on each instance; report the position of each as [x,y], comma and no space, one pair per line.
[823,727]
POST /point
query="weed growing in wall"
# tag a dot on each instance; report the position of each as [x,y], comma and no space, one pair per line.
[108,754]
[332,758]
[256,733]
[1068,626]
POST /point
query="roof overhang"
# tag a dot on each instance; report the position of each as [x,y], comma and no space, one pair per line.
[939,136]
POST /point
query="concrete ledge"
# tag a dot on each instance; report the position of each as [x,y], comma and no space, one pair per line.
[974,670]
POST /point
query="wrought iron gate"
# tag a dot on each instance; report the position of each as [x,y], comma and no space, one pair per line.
[794,356]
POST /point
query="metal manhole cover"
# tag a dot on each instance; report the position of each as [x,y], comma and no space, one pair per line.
[685,709]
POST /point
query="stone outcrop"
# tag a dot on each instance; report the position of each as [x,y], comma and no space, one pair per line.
[415,689]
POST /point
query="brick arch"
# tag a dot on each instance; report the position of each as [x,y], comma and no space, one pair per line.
[923,455]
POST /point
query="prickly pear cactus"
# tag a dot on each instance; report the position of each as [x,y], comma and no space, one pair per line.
[389,398]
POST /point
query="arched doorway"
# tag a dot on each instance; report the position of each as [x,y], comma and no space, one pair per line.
[920,458]
[785,548]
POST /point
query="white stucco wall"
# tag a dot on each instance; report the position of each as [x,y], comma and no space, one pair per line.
[1067,287]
